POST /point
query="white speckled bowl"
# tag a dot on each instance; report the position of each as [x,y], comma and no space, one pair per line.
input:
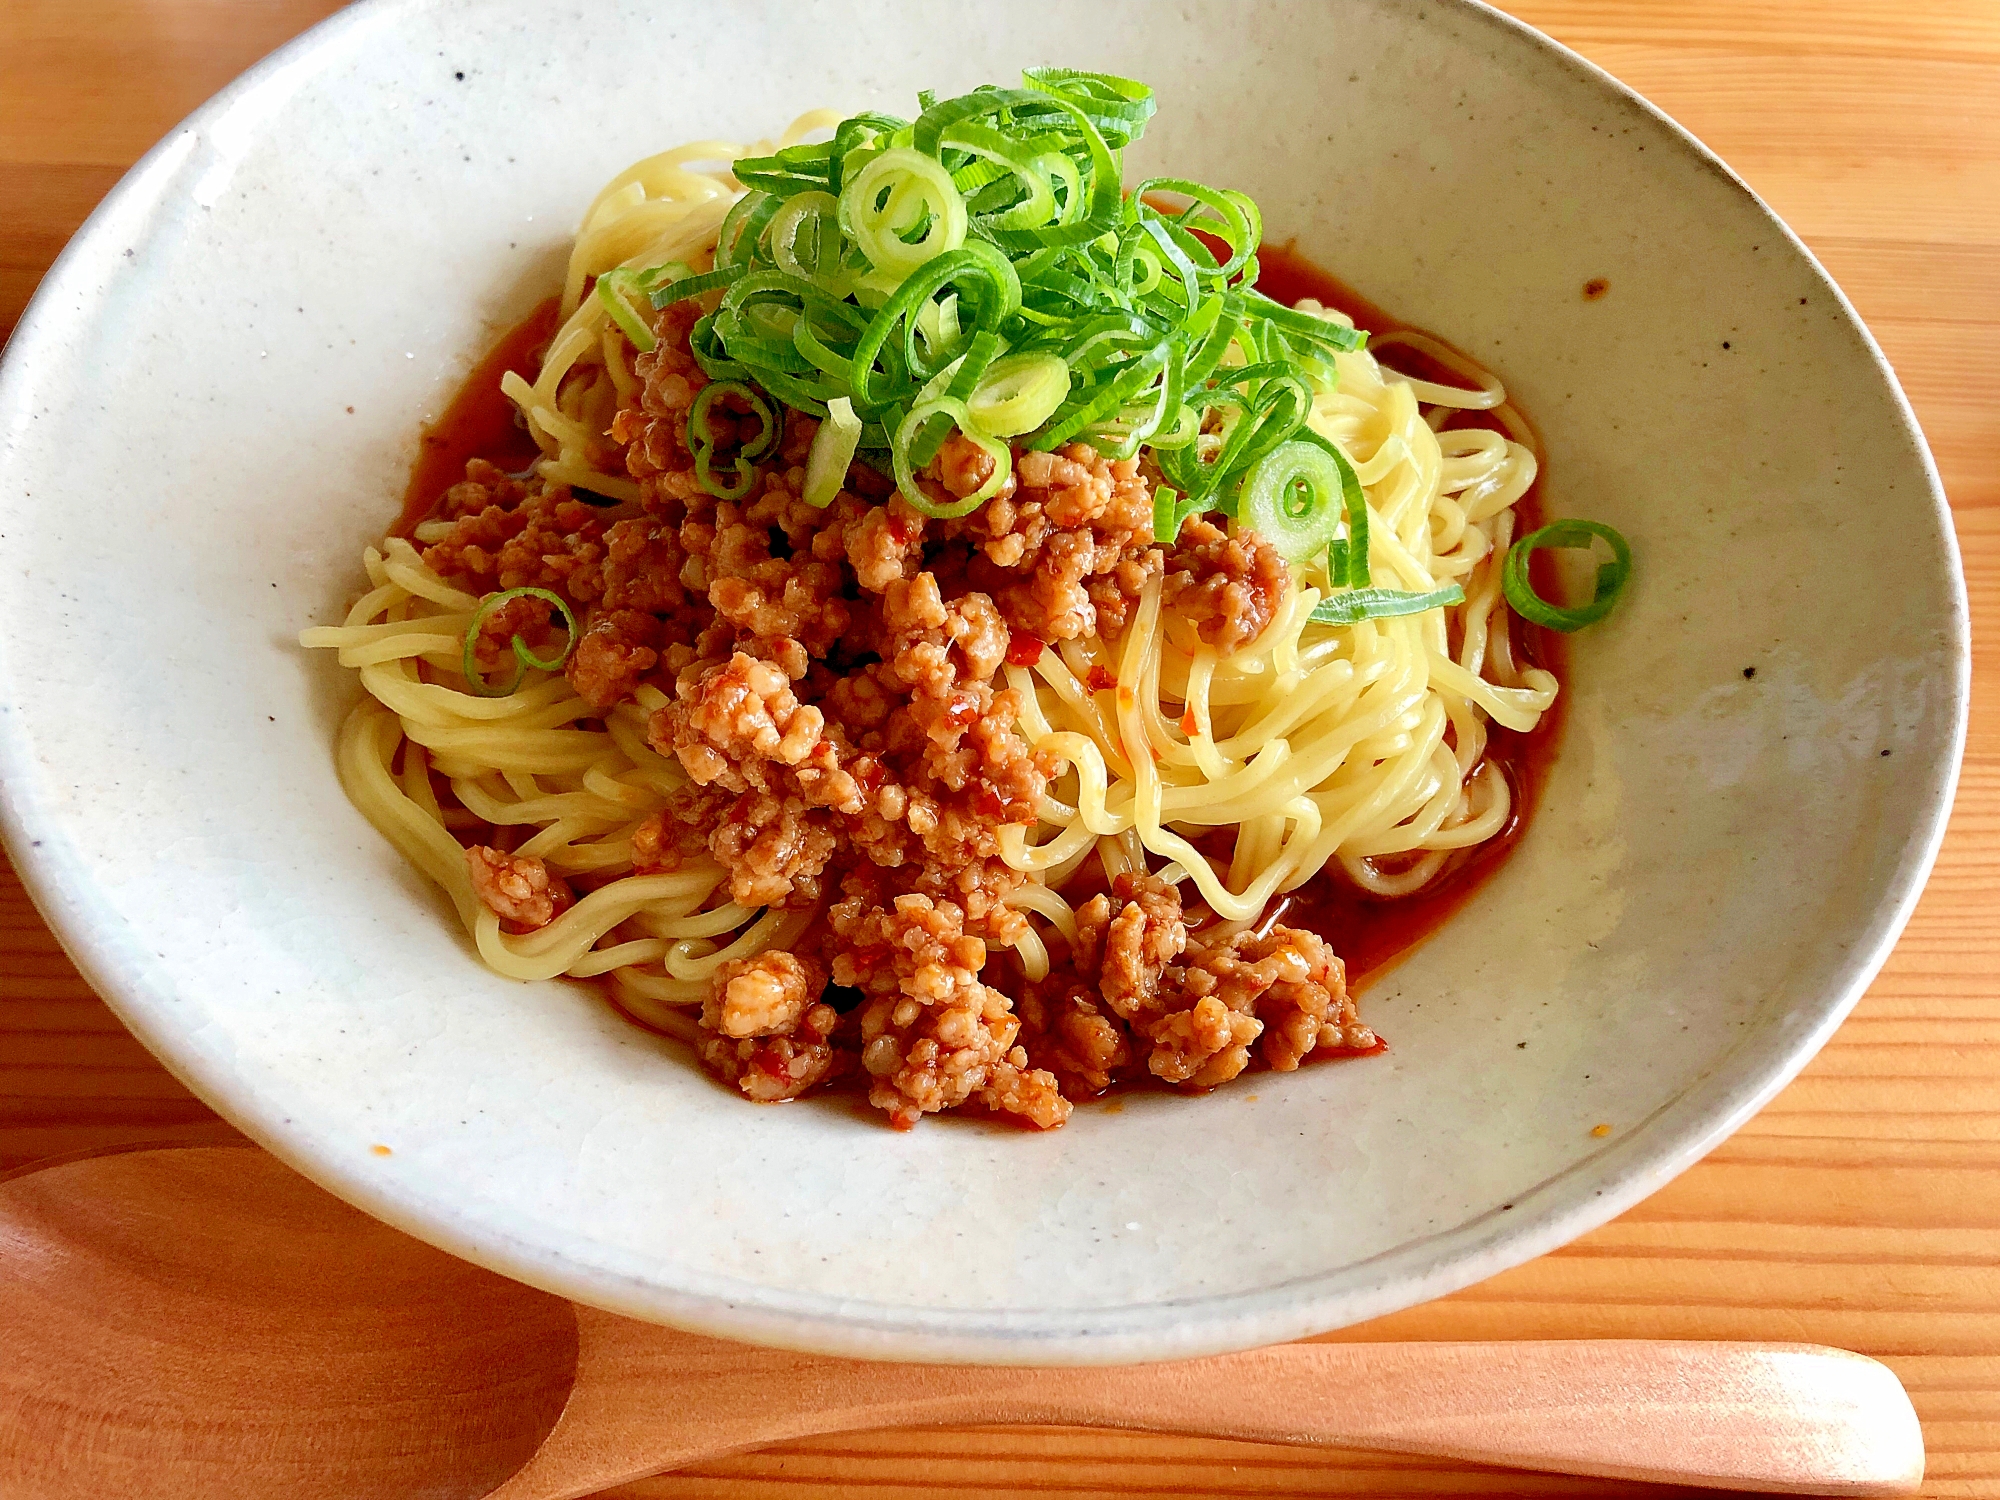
[214,399]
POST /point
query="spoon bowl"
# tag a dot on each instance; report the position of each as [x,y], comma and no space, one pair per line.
[203,1321]
[178,1320]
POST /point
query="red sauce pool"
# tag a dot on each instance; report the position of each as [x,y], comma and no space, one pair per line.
[1368,932]
[480,422]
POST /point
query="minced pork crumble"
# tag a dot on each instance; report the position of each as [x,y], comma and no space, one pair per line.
[831,677]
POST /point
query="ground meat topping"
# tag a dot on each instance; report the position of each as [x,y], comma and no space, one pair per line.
[528,534]
[933,1036]
[1068,552]
[617,648]
[762,996]
[1227,586]
[734,718]
[517,888]
[770,1068]
[484,485]
[1142,986]
[835,691]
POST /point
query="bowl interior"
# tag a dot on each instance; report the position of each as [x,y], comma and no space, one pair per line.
[212,405]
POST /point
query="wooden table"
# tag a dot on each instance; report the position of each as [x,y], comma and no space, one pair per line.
[1862,1208]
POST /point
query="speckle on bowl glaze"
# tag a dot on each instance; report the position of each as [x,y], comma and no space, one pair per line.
[210,407]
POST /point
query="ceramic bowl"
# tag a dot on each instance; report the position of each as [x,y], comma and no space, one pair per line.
[211,407]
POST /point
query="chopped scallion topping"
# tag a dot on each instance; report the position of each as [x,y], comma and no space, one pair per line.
[614,289]
[1352,606]
[906,479]
[832,451]
[526,658]
[902,209]
[702,438]
[889,266]
[985,267]
[1019,393]
[1293,497]
[1611,576]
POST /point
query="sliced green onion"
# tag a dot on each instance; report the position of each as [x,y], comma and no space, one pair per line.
[526,658]
[743,227]
[902,210]
[1062,174]
[1019,393]
[613,288]
[1306,325]
[1293,499]
[1121,103]
[701,438]
[1611,576]
[736,489]
[797,394]
[1023,200]
[788,170]
[1347,558]
[1186,428]
[1270,404]
[906,479]
[700,435]
[964,378]
[938,326]
[806,242]
[832,453]
[987,287]
[684,287]
[1098,403]
[1229,217]
[1355,605]
[885,268]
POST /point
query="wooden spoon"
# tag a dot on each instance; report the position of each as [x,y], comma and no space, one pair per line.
[197,1322]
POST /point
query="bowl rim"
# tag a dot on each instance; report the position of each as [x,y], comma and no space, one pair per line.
[1642,1162]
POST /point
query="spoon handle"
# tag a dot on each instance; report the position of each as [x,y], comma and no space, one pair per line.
[1778,1418]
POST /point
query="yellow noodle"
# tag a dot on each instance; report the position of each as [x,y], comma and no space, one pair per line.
[1033,954]
[1316,744]
[1312,746]
[775,929]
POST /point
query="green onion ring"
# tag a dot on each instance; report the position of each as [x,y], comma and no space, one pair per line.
[704,473]
[975,267]
[906,480]
[612,290]
[743,227]
[905,182]
[972,366]
[469,662]
[1292,497]
[832,453]
[1019,393]
[1611,576]
[1036,203]
[1097,403]
[1347,561]
[769,430]
[684,287]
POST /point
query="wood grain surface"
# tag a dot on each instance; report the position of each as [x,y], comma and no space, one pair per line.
[1862,1208]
